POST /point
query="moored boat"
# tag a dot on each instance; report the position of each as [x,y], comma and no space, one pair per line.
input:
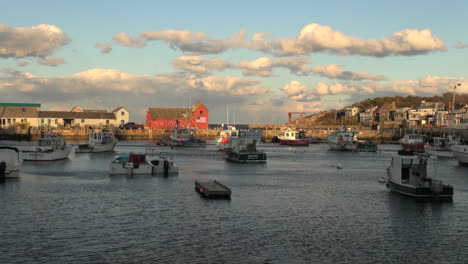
[461,153]
[224,138]
[184,137]
[50,147]
[244,150]
[413,142]
[148,163]
[442,146]
[415,175]
[100,141]
[12,161]
[343,140]
[293,138]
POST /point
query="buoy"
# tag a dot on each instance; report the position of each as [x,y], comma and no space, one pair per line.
[339,166]
[202,190]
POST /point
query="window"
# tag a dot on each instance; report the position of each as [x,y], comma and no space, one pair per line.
[122,113]
[82,121]
[56,121]
[122,122]
[201,112]
[25,120]
[107,122]
[48,121]
[14,120]
[42,121]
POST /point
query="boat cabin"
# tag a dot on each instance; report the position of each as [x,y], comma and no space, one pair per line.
[415,170]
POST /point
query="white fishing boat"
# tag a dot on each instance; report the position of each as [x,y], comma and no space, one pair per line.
[11,157]
[100,141]
[442,146]
[225,137]
[293,138]
[342,140]
[51,147]
[413,142]
[148,163]
[461,153]
[244,149]
[184,137]
[416,175]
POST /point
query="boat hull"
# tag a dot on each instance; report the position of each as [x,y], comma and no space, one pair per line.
[85,148]
[439,153]
[143,169]
[341,146]
[297,142]
[414,147]
[420,192]
[37,155]
[247,157]
[461,157]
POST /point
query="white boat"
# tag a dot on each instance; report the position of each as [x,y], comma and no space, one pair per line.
[48,148]
[342,140]
[184,137]
[461,153]
[12,158]
[244,149]
[100,141]
[224,138]
[413,142]
[293,138]
[442,146]
[416,175]
[149,163]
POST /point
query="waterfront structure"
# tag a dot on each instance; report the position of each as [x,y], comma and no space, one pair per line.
[196,116]
[14,113]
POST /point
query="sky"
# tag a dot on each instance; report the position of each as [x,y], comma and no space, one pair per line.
[246,61]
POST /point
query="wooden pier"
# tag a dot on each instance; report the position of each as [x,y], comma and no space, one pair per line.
[212,189]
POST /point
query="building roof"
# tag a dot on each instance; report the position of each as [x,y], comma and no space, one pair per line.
[20,104]
[118,109]
[76,115]
[170,113]
[18,112]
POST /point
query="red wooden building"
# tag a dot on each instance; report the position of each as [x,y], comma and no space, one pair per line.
[166,118]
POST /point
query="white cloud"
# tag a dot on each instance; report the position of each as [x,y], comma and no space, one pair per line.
[461,45]
[335,71]
[298,92]
[38,41]
[104,47]
[51,61]
[312,38]
[199,65]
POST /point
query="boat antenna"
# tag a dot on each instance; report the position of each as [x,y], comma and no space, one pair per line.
[227,115]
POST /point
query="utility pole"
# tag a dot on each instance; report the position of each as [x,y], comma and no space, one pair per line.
[453,103]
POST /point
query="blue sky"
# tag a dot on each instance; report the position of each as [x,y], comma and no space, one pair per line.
[292,56]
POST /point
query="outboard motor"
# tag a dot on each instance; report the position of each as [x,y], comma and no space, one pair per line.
[2,171]
[437,186]
[166,168]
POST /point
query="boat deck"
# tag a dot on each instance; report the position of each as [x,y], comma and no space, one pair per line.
[212,189]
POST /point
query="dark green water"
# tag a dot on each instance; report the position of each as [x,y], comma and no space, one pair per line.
[296,208]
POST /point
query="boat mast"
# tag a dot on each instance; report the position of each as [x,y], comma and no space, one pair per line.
[453,105]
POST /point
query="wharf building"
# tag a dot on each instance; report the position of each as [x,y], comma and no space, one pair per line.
[196,116]
[30,115]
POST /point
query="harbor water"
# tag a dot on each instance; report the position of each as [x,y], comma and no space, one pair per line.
[299,207]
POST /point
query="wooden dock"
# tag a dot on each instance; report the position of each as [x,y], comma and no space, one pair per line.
[212,189]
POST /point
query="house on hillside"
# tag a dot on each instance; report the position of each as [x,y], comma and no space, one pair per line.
[13,113]
[385,112]
[351,111]
[167,118]
[368,115]
[401,114]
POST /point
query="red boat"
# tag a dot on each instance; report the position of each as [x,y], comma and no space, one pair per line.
[413,142]
[293,138]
